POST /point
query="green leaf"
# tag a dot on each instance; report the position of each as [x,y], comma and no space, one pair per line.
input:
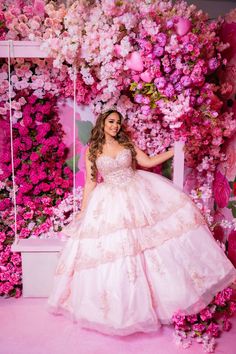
[167,169]
[69,162]
[234,211]
[133,86]
[231,204]
[149,92]
[84,131]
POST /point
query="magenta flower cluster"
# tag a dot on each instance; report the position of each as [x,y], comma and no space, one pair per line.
[41,175]
[208,324]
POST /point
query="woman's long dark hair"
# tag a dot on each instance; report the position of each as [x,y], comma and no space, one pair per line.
[97,140]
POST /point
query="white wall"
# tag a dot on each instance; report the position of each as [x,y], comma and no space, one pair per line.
[214,8]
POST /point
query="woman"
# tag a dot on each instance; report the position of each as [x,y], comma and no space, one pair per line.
[139,250]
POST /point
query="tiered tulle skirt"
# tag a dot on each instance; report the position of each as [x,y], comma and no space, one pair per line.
[141,252]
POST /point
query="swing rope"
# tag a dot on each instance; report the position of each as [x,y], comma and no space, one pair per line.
[74,140]
[10,51]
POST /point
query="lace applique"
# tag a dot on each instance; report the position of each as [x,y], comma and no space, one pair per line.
[119,177]
[126,222]
[104,304]
[153,197]
[132,270]
[96,212]
[132,247]
[198,279]
[156,266]
[62,269]
[64,299]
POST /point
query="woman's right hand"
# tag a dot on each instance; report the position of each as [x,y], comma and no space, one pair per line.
[78,215]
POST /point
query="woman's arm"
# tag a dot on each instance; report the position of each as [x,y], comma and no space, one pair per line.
[150,161]
[89,184]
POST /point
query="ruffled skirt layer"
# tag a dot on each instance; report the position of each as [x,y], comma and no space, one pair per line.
[141,252]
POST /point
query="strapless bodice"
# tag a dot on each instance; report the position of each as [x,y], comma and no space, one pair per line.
[116,170]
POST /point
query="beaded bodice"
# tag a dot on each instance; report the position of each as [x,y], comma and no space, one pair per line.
[116,170]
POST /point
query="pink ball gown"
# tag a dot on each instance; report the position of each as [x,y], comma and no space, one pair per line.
[141,251]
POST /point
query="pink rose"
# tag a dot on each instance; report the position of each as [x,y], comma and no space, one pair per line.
[25,187]
[223,296]
[213,330]
[44,187]
[6,287]
[2,236]
[24,29]
[227,325]
[179,319]
[5,203]
[34,25]
[227,293]
[205,314]
[232,307]
[18,293]
[198,327]
[25,232]
[48,211]
[192,318]
[16,258]
[28,215]
[34,156]
[15,278]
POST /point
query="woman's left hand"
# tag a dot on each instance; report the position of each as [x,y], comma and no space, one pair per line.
[172,150]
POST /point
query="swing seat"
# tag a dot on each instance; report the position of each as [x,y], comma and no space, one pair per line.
[39,259]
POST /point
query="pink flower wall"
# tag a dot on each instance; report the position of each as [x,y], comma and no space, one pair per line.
[42,176]
[163,65]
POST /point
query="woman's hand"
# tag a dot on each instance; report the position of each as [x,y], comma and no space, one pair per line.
[172,151]
[78,215]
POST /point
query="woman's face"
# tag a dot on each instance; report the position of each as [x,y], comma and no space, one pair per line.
[112,124]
